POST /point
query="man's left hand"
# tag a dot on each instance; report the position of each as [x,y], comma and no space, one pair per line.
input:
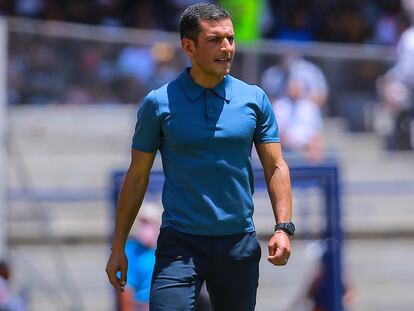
[279,248]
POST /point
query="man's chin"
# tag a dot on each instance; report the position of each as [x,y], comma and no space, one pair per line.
[225,71]
[220,72]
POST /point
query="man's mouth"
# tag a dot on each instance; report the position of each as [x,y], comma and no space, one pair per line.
[224,61]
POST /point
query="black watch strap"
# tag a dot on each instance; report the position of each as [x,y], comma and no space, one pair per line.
[287,227]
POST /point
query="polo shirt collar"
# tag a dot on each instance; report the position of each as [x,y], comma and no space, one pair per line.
[193,91]
[223,89]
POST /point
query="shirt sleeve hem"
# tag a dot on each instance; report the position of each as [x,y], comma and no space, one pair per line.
[268,140]
[144,149]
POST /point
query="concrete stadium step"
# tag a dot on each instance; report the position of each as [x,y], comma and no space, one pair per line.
[363,157]
[50,222]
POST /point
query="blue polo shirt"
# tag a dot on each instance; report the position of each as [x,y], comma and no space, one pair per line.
[205,138]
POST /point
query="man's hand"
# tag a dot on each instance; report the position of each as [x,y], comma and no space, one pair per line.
[279,248]
[117,262]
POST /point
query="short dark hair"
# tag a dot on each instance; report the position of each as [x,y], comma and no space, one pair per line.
[192,16]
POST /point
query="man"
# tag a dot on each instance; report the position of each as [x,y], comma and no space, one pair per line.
[394,116]
[204,124]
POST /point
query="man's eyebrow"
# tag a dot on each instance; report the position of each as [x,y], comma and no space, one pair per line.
[209,36]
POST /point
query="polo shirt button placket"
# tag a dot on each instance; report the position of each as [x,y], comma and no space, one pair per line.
[208,97]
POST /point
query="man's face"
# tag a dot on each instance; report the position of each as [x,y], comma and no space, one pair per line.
[212,54]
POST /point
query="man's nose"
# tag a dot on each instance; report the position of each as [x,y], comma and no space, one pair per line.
[225,44]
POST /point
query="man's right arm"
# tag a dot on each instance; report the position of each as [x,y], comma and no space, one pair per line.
[130,199]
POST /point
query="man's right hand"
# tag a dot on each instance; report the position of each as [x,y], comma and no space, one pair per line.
[117,262]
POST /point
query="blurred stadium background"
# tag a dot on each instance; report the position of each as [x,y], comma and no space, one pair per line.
[71,75]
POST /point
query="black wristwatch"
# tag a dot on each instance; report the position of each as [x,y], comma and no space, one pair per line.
[287,227]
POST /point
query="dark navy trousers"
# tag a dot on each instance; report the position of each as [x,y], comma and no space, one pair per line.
[228,264]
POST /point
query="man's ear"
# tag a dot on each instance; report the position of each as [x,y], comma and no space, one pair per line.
[188,46]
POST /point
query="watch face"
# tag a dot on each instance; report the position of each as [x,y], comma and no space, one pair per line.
[291,227]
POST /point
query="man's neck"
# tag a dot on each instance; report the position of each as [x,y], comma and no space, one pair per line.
[202,80]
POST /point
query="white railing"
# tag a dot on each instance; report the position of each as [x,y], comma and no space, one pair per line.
[3,138]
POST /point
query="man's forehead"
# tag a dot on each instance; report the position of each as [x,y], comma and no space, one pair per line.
[222,26]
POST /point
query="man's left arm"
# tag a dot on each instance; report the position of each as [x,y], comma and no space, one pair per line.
[277,176]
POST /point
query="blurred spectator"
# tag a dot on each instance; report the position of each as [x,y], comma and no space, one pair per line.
[43,82]
[137,62]
[93,72]
[395,113]
[290,20]
[140,251]
[313,79]
[300,123]
[298,89]
[174,8]
[112,73]
[141,14]
[298,27]
[30,8]
[273,81]
[169,63]
[6,8]
[80,11]
[108,13]
[344,22]
[9,301]
[387,28]
[275,78]
[96,83]
[321,20]
[315,296]
[136,69]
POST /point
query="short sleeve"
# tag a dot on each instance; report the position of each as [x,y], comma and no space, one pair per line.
[147,135]
[266,127]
